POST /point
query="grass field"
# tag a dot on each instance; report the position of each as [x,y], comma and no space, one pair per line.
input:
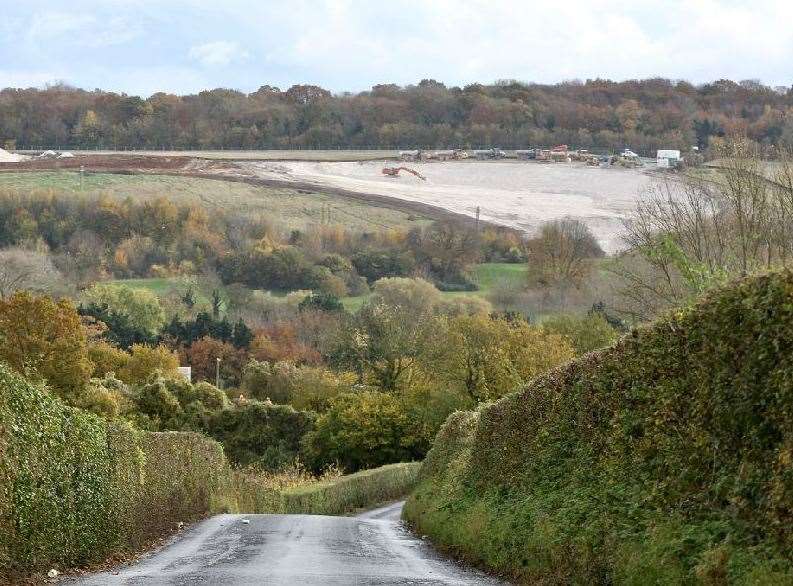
[292,208]
[486,275]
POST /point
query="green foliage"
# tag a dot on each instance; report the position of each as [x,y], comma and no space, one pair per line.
[586,334]
[488,357]
[263,434]
[139,306]
[266,381]
[293,491]
[75,488]
[144,361]
[664,459]
[359,430]
[345,494]
[172,403]
[321,302]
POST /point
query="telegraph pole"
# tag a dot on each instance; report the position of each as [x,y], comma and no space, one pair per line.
[217,372]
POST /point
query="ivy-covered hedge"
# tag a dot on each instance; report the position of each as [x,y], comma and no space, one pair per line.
[75,488]
[665,459]
[346,494]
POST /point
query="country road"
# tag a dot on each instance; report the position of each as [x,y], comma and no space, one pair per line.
[372,548]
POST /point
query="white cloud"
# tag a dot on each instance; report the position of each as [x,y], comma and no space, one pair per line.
[83,30]
[218,53]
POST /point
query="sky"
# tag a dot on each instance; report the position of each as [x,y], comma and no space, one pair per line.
[183,46]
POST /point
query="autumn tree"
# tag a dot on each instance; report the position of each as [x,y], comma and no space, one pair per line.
[43,338]
[560,257]
[203,355]
[489,357]
[26,269]
[140,307]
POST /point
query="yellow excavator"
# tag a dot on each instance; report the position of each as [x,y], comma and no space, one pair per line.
[394,172]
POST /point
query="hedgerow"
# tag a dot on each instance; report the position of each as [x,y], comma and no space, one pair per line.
[75,488]
[667,458]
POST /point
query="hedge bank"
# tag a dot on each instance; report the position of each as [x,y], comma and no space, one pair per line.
[75,488]
[666,459]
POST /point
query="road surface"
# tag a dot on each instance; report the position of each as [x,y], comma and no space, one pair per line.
[372,548]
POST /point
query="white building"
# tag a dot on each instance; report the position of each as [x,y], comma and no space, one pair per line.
[668,158]
[186,372]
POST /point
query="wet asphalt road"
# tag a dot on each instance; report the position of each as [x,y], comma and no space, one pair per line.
[373,548]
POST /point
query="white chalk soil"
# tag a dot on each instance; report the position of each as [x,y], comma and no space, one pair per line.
[6,157]
[518,194]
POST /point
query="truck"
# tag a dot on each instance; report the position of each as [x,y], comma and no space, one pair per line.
[490,154]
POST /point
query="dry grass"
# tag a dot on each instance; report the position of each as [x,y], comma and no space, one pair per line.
[293,208]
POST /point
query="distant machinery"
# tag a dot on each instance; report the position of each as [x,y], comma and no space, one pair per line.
[394,172]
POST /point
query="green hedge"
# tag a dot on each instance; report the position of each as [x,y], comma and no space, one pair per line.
[665,459]
[337,496]
[75,488]
[361,490]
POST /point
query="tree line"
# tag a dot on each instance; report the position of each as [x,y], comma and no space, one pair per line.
[645,114]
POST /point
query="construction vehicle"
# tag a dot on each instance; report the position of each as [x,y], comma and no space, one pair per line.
[527,154]
[394,172]
[628,158]
[414,155]
[490,154]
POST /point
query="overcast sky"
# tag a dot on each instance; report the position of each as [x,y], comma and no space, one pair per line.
[183,46]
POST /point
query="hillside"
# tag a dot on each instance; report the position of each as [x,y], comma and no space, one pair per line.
[665,459]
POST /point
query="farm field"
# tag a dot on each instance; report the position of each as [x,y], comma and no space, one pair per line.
[292,208]
[517,194]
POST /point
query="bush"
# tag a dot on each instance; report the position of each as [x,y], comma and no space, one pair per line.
[175,404]
[75,488]
[263,434]
[359,430]
[146,360]
[664,459]
[586,334]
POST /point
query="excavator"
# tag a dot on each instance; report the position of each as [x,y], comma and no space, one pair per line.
[394,172]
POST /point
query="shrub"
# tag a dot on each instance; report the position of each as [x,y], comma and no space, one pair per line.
[106,358]
[345,494]
[359,430]
[585,333]
[146,360]
[260,433]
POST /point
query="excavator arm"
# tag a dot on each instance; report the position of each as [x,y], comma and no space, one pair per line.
[394,172]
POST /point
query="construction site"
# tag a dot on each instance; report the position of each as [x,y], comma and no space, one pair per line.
[520,189]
